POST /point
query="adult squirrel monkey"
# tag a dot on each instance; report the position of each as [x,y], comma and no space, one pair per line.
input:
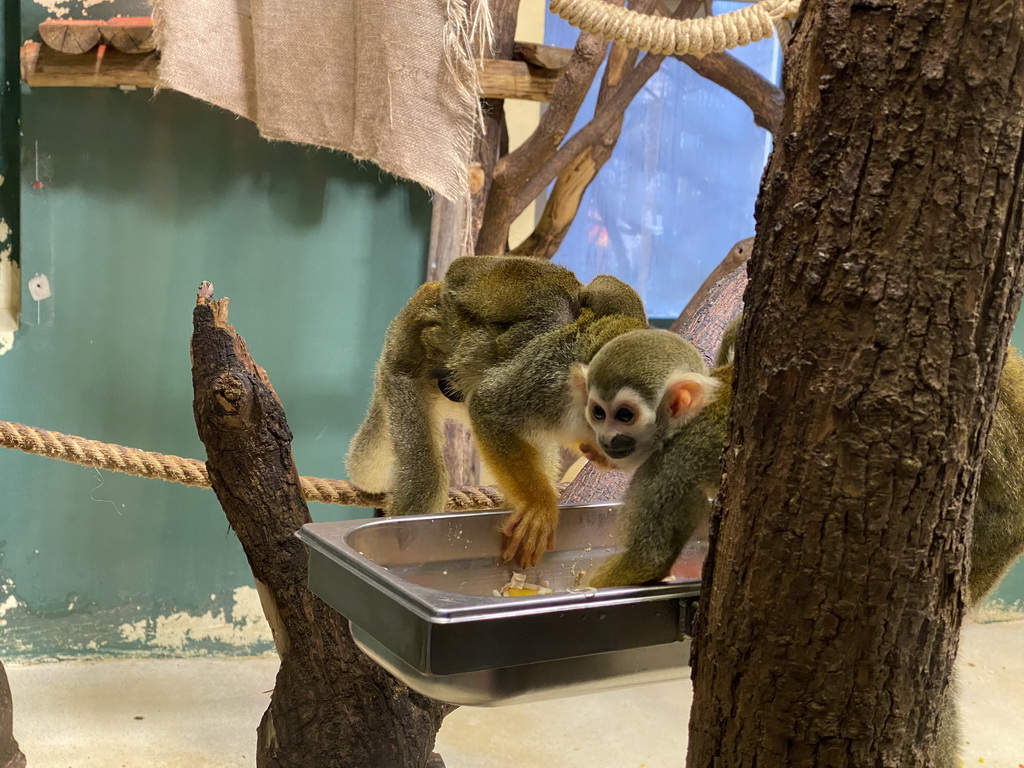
[679,460]
[493,345]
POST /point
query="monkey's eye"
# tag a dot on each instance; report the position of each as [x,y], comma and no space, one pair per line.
[625,415]
[597,412]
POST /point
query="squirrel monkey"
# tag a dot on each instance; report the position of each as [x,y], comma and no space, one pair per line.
[634,408]
[668,497]
[656,409]
[493,345]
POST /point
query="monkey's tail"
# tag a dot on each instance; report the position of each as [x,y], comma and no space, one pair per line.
[370,456]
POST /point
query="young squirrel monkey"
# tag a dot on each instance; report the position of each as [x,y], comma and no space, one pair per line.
[668,497]
[492,345]
[656,409]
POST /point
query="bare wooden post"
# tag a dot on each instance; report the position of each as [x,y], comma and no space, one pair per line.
[10,755]
[332,707]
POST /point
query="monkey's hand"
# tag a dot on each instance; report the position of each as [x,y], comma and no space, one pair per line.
[594,455]
[531,533]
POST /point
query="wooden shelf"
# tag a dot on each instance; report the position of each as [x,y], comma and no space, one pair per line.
[43,67]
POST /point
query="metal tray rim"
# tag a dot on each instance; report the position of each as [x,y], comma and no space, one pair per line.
[435,611]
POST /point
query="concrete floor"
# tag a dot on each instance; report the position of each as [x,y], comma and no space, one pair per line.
[165,713]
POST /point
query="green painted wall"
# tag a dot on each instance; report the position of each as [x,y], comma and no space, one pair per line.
[143,198]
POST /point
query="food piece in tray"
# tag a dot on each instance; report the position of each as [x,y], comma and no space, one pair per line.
[518,586]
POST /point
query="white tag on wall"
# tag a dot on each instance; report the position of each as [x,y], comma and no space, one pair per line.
[39,287]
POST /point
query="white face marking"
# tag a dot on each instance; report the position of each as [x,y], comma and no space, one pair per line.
[624,425]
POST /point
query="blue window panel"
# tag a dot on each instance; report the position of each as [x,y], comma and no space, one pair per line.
[679,189]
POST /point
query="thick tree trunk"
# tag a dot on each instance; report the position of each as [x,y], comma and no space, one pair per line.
[10,755]
[883,288]
[331,706]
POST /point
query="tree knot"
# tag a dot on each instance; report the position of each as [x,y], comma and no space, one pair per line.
[229,389]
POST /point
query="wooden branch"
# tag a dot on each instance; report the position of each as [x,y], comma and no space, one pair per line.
[492,143]
[761,95]
[568,96]
[43,67]
[544,56]
[512,169]
[331,705]
[564,200]
[516,80]
[722,304]
[563,203]
[460,455]
[736,257]
[588,134]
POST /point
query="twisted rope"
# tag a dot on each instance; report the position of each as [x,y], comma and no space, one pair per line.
[675,37]
[175,469]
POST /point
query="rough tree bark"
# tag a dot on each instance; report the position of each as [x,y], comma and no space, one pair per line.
[10,755]
[884,284]
[331,705]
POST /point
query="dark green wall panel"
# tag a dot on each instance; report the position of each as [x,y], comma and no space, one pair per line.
[141,199]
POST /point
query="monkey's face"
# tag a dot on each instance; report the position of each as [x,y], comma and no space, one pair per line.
[625,425]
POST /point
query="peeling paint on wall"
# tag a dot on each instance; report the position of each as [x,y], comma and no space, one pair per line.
[7,605]
[10,289]
[245,627]
[62,8]
[7,588]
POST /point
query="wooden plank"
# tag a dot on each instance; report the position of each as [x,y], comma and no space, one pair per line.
[543,56]
[501,79]
[130,34]
[44,67]
[70,36]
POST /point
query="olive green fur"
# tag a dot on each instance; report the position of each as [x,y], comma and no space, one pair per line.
[503,333]
[998,535]
[653,356]
[667,498]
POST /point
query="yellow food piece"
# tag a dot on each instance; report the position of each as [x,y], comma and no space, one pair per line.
[513,592]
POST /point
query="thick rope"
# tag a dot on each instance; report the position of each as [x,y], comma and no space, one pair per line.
[160,466]
[675,37]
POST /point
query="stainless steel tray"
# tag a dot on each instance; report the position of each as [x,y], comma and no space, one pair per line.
[417,592]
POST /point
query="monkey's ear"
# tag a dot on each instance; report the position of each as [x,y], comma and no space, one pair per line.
[578,380]
[686,395]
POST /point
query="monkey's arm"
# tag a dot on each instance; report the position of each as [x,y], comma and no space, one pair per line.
[523,472]
[516,416]
[663,506]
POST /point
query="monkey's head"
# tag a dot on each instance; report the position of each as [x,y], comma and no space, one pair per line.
[639,389]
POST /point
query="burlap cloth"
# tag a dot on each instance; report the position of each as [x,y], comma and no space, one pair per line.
[392,82]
